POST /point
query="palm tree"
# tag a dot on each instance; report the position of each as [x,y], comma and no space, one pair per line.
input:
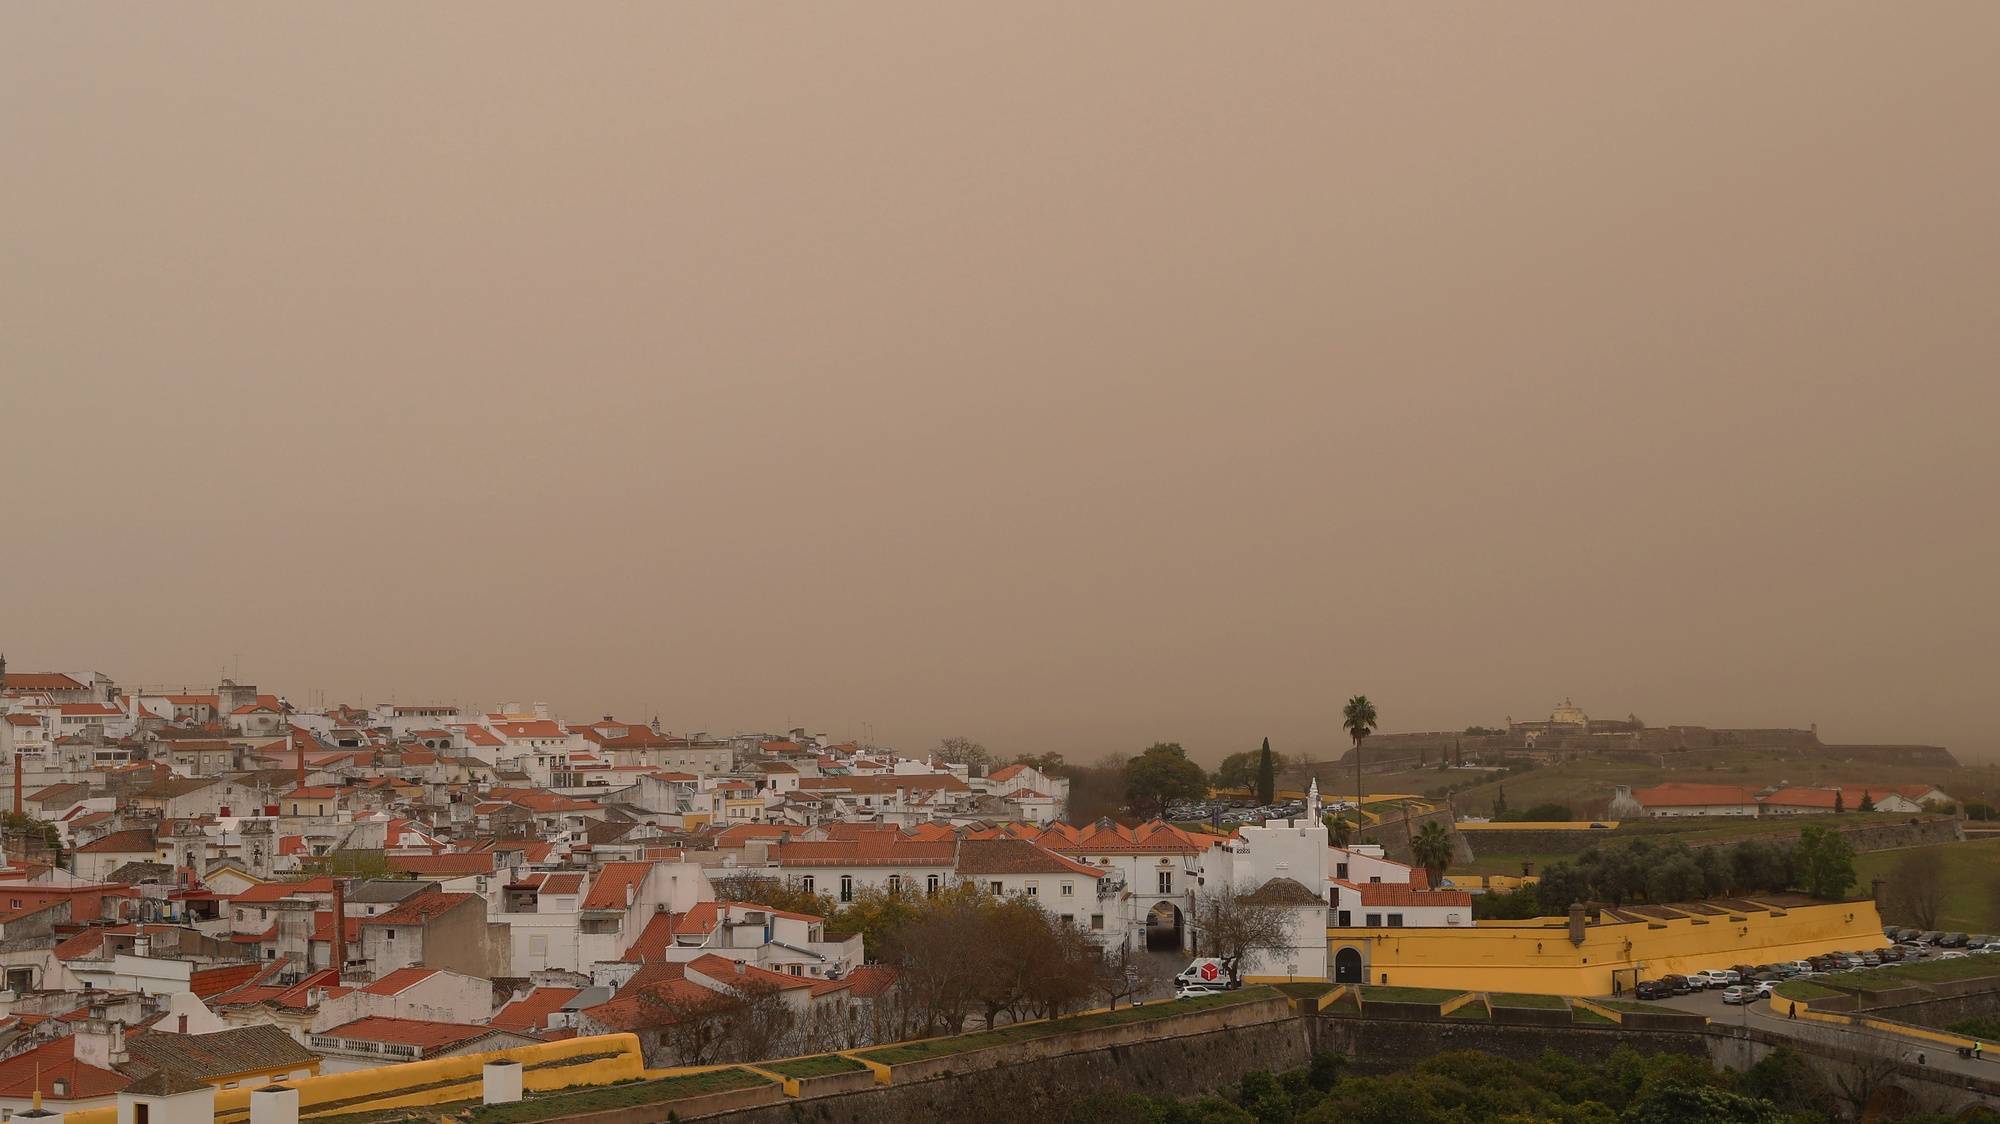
[1360,722]
[1432,849]
[1339,830]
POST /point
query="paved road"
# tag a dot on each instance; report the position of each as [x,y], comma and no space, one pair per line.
[1759,1015]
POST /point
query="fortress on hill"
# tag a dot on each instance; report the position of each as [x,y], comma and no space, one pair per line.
[1569,731]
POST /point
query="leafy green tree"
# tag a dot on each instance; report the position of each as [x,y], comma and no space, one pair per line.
[1680,1104]
[1050,764]
[1432,848]
[1237,771]
[1159,777]
[1358,718]
[1825,862]
[1267,775]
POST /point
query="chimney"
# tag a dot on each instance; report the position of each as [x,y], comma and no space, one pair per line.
[17,782]
[183,1025]
[1576,923]
[339,955]
[274,1104]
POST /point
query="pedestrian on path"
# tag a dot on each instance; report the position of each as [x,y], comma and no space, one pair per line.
[1795,1010]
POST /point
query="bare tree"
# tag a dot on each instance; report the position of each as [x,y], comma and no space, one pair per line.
[1917,888]
[1123,974]
[1229,927]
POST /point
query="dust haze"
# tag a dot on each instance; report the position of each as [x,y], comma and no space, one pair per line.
[1069,377]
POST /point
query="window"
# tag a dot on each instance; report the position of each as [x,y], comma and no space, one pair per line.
[389,934]
[895,883]
[1374,919]
[1346,918]
[1034,890]
[17,903]
[847,887]
[793,969]
[806,883]
[1374,878]
[931,884]
[239,914]
[998,889]
[1395,921]
[1097,921]
[1166,882]
[1340,870]
[1069,889]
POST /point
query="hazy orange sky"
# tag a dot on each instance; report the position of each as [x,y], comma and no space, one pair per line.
[1065,376]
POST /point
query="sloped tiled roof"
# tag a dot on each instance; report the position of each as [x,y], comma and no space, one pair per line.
[1016,856]
[531,1012]
[221,1053]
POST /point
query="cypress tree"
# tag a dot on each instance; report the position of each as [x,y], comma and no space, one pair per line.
[1267,776]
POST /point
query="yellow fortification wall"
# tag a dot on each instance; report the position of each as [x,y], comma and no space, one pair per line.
[553,1065]
[1537,956]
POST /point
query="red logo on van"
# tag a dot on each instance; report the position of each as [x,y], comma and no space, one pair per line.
[1209,972]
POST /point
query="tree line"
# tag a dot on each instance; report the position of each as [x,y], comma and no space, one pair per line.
[1821,863]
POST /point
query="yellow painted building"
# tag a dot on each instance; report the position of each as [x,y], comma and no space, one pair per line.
[1579,956]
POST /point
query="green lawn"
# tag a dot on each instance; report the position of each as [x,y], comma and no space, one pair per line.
[1022,1032]
[561,1105]
[1407,995]
[1972,883]
[825,1065]
[1311,990]
[1475,1011]
[1627,1007]
[1806,991]
[1541,1002]
[1584,1016]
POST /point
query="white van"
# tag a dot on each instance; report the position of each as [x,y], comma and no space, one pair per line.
[1207,971]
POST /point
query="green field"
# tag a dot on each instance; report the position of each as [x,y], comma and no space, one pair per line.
[561,1105]
[1433,995]
[1540,1002]
[1584,1016]
[1475,1011]
[1806,991]
[1972,883]
[824,1065]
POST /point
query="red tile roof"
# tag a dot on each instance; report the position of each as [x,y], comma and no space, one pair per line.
[1376,893]
[736,973]
[608,889]
[40,1068]
[422,1033]
[278,891]
[531,1012]
[40,681]
[399,980]
[211,982]
[130,841]
[419,909]
[1679,794]
[457,863]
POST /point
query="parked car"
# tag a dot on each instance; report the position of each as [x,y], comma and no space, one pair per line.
[1190,989]
[1905,935]
[1719,977]
[1739,994]
[1979,940]
[1930,936]
[1766,988]
[1953,940]
[1871,959]
[1954,954]
[1676,984]
[1889,955]
[1650,989]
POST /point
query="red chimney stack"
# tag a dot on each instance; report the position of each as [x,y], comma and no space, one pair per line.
[339,957]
